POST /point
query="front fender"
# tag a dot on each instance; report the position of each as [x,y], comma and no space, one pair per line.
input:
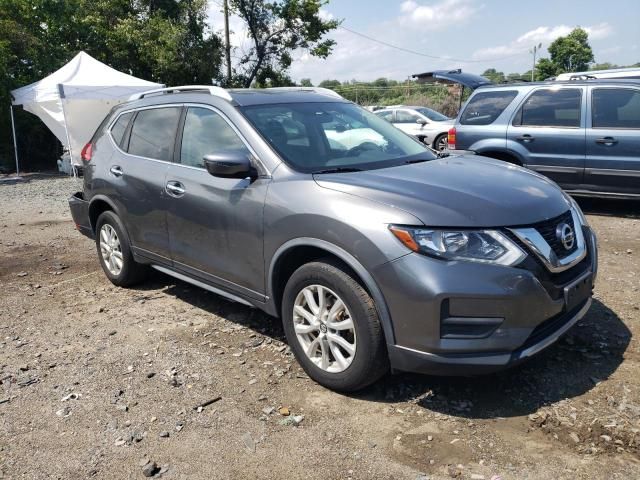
[369,282]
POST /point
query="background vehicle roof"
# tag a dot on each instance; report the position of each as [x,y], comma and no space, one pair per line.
[590,81]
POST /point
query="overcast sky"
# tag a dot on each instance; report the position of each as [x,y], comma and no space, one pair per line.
[468,34]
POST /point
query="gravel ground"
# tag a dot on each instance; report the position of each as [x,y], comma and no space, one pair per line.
[97,381]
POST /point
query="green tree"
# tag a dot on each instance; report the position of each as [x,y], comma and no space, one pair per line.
[573,52]
[493,75]
[306,82]
[329,84]
[276,29]
[545,68]
[167,41]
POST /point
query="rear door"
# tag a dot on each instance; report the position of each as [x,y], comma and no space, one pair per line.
[216,224]
[613,140]
[138,172]
[548,132]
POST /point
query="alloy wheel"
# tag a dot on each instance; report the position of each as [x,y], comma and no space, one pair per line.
[324,328]
[110,249]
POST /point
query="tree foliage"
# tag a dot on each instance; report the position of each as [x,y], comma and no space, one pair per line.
[167,41]
[276,28]
[571,53]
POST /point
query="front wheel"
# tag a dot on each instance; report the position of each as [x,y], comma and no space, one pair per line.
[333,327]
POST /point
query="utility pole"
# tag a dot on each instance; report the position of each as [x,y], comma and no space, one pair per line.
[536,49]
[227,46]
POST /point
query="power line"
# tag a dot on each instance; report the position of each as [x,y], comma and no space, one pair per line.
[414,52]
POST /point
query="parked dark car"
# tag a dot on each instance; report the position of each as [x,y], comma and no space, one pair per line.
[376,254]
[583,134]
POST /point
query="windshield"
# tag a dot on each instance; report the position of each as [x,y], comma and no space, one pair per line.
[432,114]
[314,137]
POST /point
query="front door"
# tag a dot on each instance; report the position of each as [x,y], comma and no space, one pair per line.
[215,224]
[549,132]
[613,140]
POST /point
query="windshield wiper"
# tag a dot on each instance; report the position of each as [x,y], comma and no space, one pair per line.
[417,160]
[339,170]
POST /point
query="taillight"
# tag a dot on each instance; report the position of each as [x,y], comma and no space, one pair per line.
[451,138]
[86,152]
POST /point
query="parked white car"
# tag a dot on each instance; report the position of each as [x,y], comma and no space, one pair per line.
[427,125]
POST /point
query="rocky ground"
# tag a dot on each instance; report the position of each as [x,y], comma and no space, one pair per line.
[170,381]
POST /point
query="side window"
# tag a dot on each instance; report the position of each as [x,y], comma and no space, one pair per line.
[153,132]
[615,108]
[205,133]
[551,108]
[118,129]
[386,115]
[485,107]
[403,116]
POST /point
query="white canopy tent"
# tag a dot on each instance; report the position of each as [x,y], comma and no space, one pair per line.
[74,100]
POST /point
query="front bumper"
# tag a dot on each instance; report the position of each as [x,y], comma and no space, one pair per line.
[466,318]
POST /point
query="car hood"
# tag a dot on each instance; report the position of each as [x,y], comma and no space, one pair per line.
[457,191]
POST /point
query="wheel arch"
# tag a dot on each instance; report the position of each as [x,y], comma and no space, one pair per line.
[297,252]
[97,206]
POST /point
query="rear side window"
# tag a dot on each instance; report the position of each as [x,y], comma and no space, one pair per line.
[207,133]
[153,133]
[551,108]
[485,107]
[118,129]
[616,108]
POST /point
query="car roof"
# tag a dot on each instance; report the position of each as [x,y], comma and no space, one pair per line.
[263,96]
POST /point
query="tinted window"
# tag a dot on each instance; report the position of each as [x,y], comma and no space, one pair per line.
[403,116]
[153,132]
[485,107]
[205,133]
[387,115]
[551,108]
[117,131]
[616,108]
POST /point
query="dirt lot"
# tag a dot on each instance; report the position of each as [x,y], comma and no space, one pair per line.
[97,381]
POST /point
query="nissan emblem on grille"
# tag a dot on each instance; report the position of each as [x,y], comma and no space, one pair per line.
[565,235]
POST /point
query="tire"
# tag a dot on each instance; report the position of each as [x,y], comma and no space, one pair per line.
[438,142]
[129,272]
[369,361]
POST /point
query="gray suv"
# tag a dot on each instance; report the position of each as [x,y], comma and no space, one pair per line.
[583,134]
[375,254]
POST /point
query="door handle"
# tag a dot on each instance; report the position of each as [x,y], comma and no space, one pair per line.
[608,141]
[525,138]
[116,171]
[175,189]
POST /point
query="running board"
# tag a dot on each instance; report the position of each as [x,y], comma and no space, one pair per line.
[197,283]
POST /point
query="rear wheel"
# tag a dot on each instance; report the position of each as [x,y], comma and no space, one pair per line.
[440,143]
[333,327]
[114,251]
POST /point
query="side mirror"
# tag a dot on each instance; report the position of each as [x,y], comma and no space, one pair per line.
[421,121]
[228,165]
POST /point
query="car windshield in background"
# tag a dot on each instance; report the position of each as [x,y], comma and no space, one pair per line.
[485,107]
[317,137]
[432,114]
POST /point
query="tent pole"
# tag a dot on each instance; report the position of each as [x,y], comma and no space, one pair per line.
[66,130]
[15,144]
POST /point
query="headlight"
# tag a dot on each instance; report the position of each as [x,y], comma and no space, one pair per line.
[484,246]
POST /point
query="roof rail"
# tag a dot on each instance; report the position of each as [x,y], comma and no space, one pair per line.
[320,90]
[212,89]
